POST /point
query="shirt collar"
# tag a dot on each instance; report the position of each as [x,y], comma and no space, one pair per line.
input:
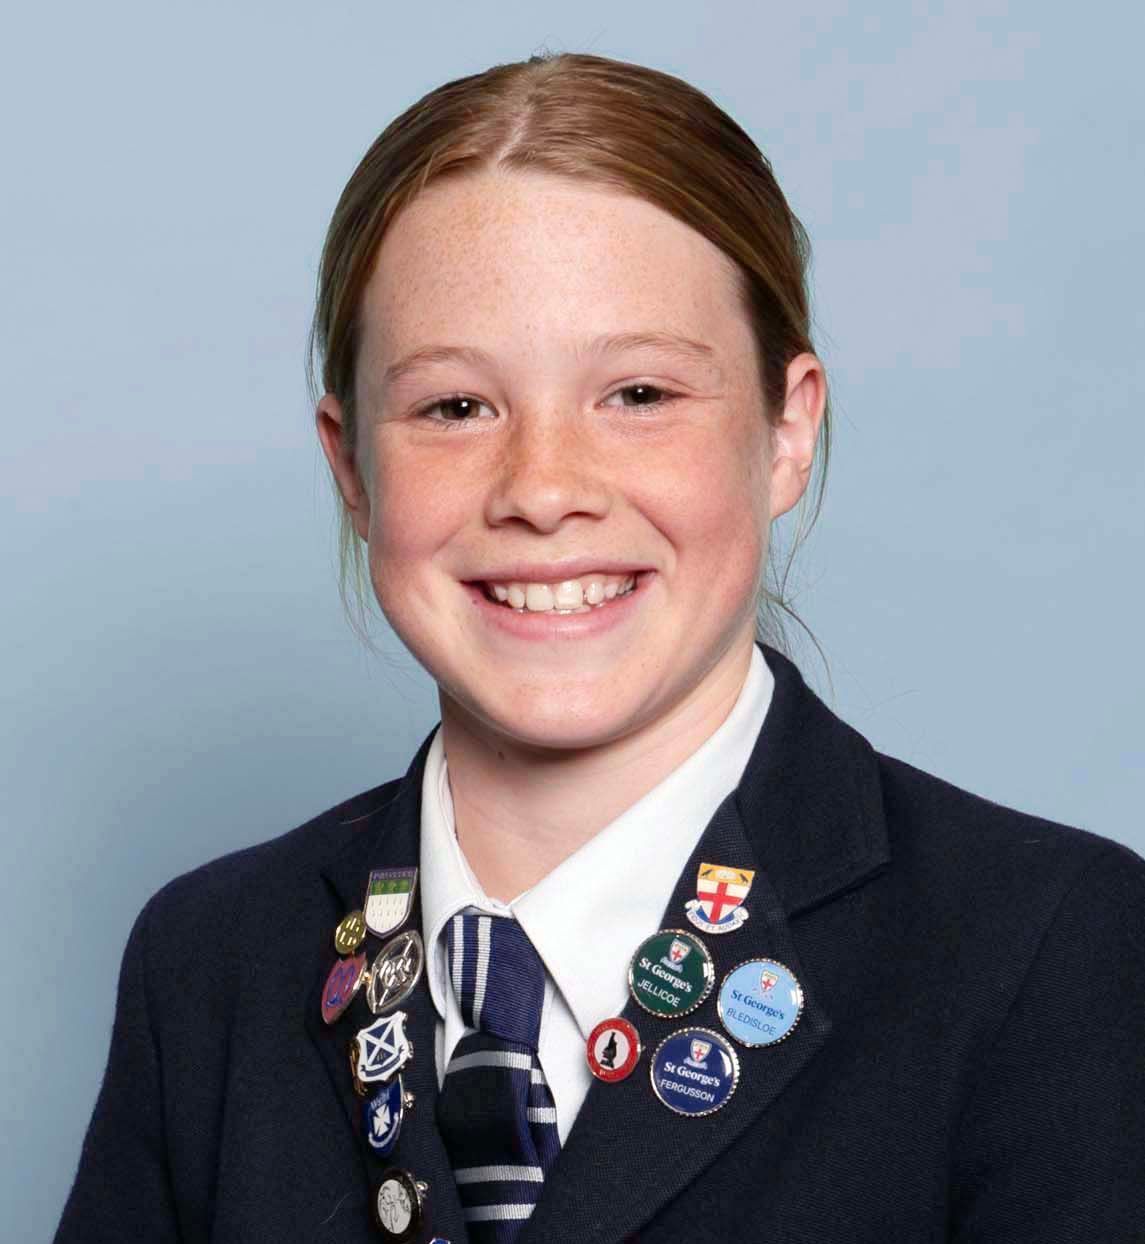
[587,916]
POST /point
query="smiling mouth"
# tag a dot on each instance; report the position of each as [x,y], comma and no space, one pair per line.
[573,596]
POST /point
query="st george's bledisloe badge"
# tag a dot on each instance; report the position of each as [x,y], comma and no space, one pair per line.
[342,983]
[383,1049]
[720,892]
[760,1002]
[399,1206]
[382,1116]
[389,899]
[694,1071]
[395,971]
[671,973]
[613,1049]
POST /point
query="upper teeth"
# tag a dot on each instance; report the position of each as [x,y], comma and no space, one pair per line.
[568,595]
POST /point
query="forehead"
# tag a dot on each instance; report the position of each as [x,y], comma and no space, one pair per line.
[536,259]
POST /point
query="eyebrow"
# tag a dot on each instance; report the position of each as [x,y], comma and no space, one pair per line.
[601,347]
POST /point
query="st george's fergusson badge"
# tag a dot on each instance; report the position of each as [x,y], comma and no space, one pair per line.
[389,899]
[720,892]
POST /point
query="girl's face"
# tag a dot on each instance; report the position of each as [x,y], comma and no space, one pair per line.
[554,373]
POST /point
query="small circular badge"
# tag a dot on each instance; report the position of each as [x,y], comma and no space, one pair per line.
[350,933]
[671,973]
[343,982]
[694,1071]
[398,1205]
[760,1002]
[396,970]
[613,1050]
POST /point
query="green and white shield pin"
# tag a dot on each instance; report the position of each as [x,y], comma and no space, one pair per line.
[389,899]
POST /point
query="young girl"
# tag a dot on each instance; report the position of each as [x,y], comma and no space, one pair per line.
[647,943]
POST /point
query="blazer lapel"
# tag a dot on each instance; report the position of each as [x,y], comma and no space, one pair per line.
[388,837]
[807,817]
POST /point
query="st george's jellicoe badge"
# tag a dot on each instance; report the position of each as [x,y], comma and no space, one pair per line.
[671,973]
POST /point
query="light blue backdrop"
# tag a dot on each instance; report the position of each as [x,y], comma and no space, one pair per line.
[178,680]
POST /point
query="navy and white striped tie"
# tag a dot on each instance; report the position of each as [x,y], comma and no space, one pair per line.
[495,1111]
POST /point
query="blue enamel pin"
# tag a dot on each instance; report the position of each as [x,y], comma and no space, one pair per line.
[760,1002]
[382,1116]
[694,1071]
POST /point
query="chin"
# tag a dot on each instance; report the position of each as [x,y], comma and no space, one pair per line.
[553,723]
[563,735]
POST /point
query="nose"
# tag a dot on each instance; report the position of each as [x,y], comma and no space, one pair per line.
[549,471]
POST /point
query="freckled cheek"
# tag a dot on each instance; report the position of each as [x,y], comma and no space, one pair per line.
[713,506]
[413,516]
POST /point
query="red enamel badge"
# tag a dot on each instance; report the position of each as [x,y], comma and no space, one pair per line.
[613,1049]
[344,981]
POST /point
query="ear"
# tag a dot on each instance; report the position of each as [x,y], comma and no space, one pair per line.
[330,419]
[793,437]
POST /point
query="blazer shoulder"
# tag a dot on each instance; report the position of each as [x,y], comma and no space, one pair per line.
[983,850]
[206,897]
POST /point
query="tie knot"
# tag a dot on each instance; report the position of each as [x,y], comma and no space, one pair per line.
[497,975]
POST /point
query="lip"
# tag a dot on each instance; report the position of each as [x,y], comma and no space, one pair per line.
[556,572]
[548,625]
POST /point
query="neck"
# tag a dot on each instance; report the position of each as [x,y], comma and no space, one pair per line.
[521,810]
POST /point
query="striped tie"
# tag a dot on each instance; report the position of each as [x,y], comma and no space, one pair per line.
[495,1112]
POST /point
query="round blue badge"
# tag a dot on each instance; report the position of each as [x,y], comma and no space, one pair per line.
[760,1002]
[694,1071]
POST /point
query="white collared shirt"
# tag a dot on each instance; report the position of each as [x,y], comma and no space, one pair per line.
[588,915]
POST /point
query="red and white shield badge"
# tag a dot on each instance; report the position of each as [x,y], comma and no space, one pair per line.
[678,951]
[721,890]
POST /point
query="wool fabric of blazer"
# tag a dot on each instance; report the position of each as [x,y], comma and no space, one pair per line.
[969,1064]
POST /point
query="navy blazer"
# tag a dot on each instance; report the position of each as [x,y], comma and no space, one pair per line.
[969,1066]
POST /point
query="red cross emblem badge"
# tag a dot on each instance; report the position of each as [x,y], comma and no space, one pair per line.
[720,892]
